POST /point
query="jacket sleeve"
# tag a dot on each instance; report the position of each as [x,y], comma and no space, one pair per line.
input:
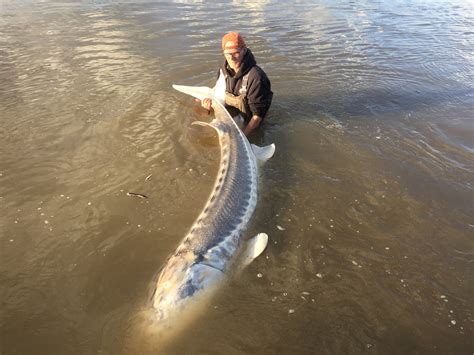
[259,93]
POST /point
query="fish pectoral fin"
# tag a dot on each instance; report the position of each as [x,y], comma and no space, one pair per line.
[263,153]
[254,247]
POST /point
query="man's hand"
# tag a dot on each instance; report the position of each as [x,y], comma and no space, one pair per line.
[207,103]
[252,125]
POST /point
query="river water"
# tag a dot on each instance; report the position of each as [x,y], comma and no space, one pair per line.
[368,200]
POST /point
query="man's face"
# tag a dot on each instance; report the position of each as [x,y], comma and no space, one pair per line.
[234,57]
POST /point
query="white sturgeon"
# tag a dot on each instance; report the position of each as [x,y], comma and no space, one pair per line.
[215,241]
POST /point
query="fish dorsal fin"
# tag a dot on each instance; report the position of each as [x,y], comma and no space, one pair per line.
[263,153]
[253,248]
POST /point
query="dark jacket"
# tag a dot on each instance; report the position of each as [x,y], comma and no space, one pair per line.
[259,94]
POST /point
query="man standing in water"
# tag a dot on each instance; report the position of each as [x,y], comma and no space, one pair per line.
[248,91]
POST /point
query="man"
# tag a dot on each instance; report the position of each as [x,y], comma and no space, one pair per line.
[248,90]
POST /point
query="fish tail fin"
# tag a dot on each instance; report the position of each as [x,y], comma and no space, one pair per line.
[199,92]
[203,92]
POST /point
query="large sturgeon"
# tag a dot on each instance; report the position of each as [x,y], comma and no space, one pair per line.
[215,242]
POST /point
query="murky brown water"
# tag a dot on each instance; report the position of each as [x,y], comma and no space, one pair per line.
[368,201]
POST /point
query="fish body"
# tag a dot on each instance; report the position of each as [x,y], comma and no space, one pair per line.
[210,249]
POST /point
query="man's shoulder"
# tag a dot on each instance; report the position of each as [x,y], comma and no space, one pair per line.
[257,73]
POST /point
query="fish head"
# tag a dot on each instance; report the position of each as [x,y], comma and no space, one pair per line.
[184,291]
